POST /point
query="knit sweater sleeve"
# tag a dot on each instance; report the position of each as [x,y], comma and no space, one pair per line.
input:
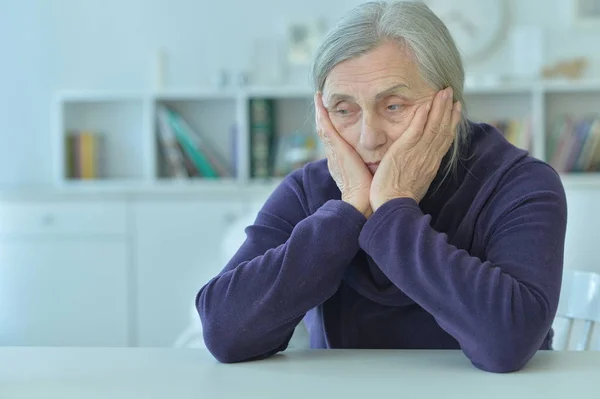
[290,262]
[500,308]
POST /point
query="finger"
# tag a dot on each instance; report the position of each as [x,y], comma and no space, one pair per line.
[444,130]
[456,117]
[439,108]
[415,129]
[329,136]
[319,121]
[324,124]
[328,132]
[445,140]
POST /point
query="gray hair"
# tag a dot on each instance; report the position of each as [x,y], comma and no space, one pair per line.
[410,23]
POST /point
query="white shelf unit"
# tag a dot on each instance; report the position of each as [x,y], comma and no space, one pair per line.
[121,118]
[133,160]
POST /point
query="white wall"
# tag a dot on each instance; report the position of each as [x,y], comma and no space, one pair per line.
[24,90]
[110,44]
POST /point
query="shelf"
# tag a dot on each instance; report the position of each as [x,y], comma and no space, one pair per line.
[280,92]
[581,180]
[507,89]
[76,96]
[135,159]
[226,188]
[565,86]
[115,124]
[552,86]
[506,105]
[198,187]
[195,94]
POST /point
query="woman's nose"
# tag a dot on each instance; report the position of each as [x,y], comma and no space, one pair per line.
[372,135]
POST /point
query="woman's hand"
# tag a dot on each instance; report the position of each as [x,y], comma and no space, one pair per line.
[412,162]
[347,168]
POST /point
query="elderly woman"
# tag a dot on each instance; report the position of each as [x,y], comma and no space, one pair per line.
[421,229]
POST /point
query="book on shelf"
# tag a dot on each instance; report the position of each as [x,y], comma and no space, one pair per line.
[262,136]
[84,151]
[233,135]
[293,151]
[187,153]
[517,131]
[272,153]
[574,144]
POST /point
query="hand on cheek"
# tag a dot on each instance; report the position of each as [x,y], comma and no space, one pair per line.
[412,162]
[345,165]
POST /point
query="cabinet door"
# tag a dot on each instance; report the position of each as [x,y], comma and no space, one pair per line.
[63,291]
[177,250]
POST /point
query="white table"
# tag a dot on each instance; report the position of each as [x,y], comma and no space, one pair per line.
[131,373]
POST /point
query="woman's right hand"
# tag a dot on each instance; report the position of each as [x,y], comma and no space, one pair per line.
[346,167]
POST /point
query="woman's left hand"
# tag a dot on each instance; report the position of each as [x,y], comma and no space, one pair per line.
[412,162]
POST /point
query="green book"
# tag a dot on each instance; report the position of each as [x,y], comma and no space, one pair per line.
[188,145]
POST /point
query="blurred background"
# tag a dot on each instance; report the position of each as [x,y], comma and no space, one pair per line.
[139,137]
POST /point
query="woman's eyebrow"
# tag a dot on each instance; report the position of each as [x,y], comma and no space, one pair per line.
[337,97]
[391,90]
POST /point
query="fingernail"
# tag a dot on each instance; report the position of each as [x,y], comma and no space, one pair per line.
[428,106]
[459,106]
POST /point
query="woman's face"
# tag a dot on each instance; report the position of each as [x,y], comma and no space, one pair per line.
[372,99]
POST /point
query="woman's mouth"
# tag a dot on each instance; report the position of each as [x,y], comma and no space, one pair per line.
[372,166]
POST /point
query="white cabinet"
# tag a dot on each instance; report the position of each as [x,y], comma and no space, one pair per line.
[63,274]
[176,250]
[92,271]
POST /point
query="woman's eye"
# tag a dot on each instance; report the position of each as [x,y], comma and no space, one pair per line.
[393,107]
[342,112]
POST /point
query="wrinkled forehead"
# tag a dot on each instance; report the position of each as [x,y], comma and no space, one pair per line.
[386,70]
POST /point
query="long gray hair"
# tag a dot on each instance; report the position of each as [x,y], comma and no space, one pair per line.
[410,23]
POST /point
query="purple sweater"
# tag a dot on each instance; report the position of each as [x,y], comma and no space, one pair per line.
[475,266]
